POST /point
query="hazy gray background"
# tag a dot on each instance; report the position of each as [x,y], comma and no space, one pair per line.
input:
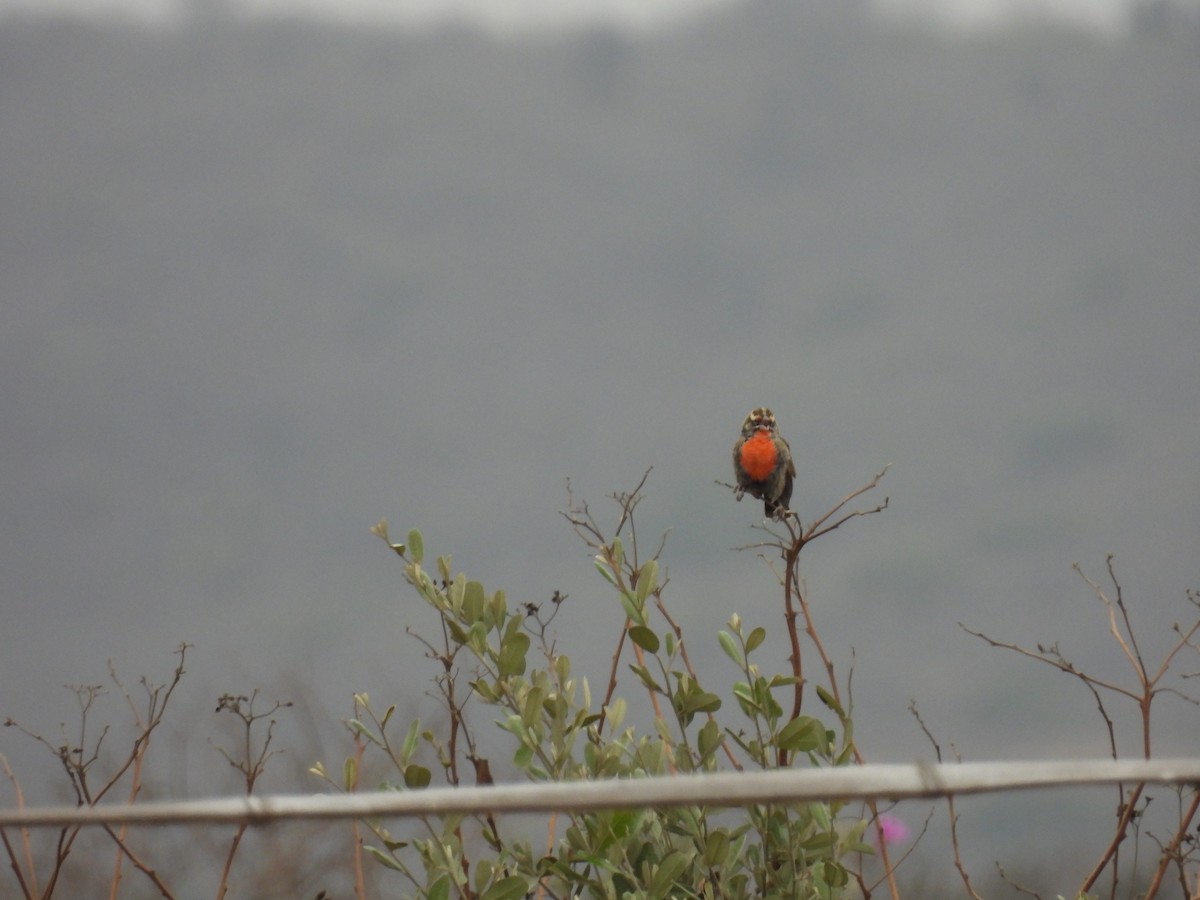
[264,283]
[524,15]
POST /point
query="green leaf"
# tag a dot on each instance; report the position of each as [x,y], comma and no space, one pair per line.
[443,564]
[802,734]
[416,777]
[416,546]
[757,636]
[485,691]
[729,645]
[409,746]
[829,700]
[821,845]
[485,869]
[635,612]
[359,728]
[667,873]
[822,816]
[473,600]
[624,822]
[701,701]
[644,637]
[709,739]
[647,679]
[457,633]
[440,889]
[513,627]
[616,710]
[745,698]
[603,568]
[523,757]
[532,709]
[647,581]
[509,888]
[716,848]
[383,858]
[455,592]
[477,639]
[836,874]
[350,774]
[499,606]
[781,680]
[512,655]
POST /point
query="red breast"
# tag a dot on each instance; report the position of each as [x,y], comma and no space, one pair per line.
[759,455]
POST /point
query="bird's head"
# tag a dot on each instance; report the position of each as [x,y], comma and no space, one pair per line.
[760,419]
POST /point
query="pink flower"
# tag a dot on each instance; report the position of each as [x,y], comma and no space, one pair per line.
[893,830]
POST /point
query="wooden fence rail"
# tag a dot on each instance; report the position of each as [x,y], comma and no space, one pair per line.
[723,789]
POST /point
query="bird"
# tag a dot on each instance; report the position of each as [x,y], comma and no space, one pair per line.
[763,465]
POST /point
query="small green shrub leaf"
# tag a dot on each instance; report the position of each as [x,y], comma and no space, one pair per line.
[523,757]
[709,739]
[634,610]
[829,700]
[416,546]
[512,655]
[667,873]
[732,650]
[416,777]
[644,637]
[485,691]
[382,858]
[409,747]
[836,874]
[603,568]
[499,606]
[473,600]
[716,848]
[757,636]
[485,869]
[457,633]
[802,734]
[702,701]
[647,581]
[531,710]
[647,679]
[359,728]
[508,889]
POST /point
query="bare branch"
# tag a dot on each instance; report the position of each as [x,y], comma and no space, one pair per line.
[1048,656]
[958,862]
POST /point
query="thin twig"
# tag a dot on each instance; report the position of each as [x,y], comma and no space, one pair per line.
[958,861]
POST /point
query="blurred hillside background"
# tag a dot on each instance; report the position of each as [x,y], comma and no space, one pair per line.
[265,280]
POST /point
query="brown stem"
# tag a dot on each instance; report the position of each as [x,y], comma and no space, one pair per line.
[223,886]
[790,574]
[1171,851]
[141,866]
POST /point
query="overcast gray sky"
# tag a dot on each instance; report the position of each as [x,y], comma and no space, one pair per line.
[263,285]
[523,13]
